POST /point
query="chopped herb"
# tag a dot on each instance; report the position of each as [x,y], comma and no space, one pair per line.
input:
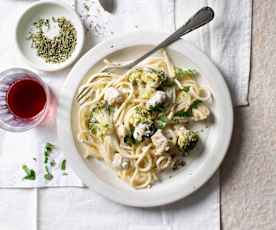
[183,73]
[189,112]
[53,163]
[179,163]
[63,165]
[109,108]
[30,173]
[49,147]
[129,139]
[162,122]
[65,174]
[47,150]
[186,89]
[34,158]
[157,108]
[195,104]
[86,6]
[168,82]
[48,175]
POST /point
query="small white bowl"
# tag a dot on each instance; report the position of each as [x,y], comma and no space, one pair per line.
[46,9]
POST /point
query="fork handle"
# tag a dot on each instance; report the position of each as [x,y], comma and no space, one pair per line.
[200,18]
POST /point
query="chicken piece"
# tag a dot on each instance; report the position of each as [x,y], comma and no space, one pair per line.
[160,142]
[143,130]
[200,113]
[113,96]
[159,98]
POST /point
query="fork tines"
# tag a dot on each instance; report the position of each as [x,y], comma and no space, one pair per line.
[82,94]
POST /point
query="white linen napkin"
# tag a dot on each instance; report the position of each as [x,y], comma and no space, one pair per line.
[226,41]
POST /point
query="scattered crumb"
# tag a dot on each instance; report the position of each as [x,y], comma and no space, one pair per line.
[179,163]
[86,6]
[53,163]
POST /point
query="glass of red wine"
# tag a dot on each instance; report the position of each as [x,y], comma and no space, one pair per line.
[24,100]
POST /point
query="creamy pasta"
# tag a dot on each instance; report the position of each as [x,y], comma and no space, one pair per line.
[137,122]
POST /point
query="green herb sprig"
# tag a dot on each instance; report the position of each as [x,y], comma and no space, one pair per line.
[48,175]
[63,167]
[189,112]
[161,122]
[158,108]
[30,173]
[183,73]
[47,151]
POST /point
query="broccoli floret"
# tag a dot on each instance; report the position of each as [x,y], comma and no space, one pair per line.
[135,76]
[141,115]
[100,129]
[101,107]
[187,140]
[153,78]
[100,122]
[146,92]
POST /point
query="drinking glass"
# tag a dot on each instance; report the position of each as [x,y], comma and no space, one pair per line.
[8,119]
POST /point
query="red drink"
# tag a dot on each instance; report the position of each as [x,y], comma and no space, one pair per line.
[26,98]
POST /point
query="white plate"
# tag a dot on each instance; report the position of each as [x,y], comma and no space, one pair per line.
[46,9]
[216,140]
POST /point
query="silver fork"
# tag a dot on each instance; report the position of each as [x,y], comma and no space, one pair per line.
[200,18]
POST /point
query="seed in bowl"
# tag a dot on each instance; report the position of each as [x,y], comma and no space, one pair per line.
[58,48]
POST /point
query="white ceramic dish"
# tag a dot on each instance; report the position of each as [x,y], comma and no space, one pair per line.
[189,178]
[46,9]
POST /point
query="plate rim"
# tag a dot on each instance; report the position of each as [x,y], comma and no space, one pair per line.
[66,138]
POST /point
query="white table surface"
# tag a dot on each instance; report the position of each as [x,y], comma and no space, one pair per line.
[248,173]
